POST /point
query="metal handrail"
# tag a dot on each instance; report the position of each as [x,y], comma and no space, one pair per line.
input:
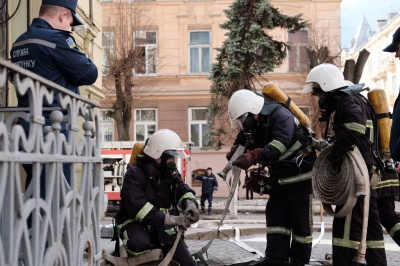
[54,219]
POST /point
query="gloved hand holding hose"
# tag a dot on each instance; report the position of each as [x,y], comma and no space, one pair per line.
[180,220]
[248,159]
[192,212]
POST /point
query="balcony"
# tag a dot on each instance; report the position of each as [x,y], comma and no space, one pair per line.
[55,219]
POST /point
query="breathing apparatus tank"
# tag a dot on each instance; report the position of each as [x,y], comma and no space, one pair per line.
[136,150]
[273,92]
[379,102]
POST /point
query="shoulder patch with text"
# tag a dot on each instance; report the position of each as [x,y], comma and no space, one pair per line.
[70,42]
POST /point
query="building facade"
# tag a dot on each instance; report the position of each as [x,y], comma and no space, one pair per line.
[382,69]
[179,45]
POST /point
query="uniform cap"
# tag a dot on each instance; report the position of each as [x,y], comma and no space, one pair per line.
[70,4]
[396,40]
[209,168]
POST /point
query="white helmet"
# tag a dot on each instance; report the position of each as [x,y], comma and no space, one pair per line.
[164,140]
[243,102]
[328,76]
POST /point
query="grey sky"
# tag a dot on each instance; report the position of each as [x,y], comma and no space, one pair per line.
[352,12]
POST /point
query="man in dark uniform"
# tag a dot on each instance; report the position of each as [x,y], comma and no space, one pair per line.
[394,47]
[151,186]
[273,138]
[208,186]
[353,125]
[49,50]
[388,188]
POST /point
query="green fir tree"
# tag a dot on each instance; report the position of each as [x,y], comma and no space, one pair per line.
[246,54]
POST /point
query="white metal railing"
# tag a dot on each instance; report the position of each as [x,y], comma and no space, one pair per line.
[54,221]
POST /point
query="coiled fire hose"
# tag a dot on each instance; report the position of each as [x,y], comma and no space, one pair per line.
[343,188]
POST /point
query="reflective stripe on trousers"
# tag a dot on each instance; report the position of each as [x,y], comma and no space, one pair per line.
[288,232]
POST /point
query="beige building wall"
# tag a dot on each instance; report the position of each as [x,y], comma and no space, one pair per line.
[176,90]
[382,69]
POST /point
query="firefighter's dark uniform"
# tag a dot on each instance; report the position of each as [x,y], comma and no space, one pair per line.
[145,196]
[353,126]
[387,191]
[395,131]
[289,208]
[209,183]
[52,54]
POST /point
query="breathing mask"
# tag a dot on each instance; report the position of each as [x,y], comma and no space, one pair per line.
[247,127]
[168,166]
[327,105]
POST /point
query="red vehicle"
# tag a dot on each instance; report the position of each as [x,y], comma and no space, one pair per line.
[116,156]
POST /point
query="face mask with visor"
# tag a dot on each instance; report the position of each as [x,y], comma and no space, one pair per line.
[238,122]
[168,167]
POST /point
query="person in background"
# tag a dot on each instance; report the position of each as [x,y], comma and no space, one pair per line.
[208,186]
[249,194]
[151,194]
[48,49]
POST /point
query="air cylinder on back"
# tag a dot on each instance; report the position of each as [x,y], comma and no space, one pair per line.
[273,92]
[378,100]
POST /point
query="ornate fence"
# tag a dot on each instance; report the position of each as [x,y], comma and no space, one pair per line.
[53,220]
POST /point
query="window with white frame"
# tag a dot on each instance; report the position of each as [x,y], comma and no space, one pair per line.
[198,127]
[108,50]
[199,51]
[145,123]
[106,127]
[146,52]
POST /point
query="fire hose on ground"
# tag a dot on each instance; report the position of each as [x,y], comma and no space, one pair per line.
[343,188]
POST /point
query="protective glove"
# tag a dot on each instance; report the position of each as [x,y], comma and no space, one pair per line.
[247,159]
[191,212]
[231,152]
[181,221]
[319,144]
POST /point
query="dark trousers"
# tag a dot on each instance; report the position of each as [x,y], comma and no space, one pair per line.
[29,168]
[208,197]
[139,239]
[389,218]
[289,214]
[346,234]
[249,194]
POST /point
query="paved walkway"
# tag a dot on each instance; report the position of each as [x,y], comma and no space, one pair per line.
[251,224]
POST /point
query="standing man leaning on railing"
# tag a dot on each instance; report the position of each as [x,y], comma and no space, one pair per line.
[49,50]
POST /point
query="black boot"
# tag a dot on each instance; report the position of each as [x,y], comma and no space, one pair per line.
[269,262]
[209,211]
[202,209]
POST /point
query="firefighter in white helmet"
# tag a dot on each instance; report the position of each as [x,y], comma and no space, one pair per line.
[352,125]
[151,186]
[273,138]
